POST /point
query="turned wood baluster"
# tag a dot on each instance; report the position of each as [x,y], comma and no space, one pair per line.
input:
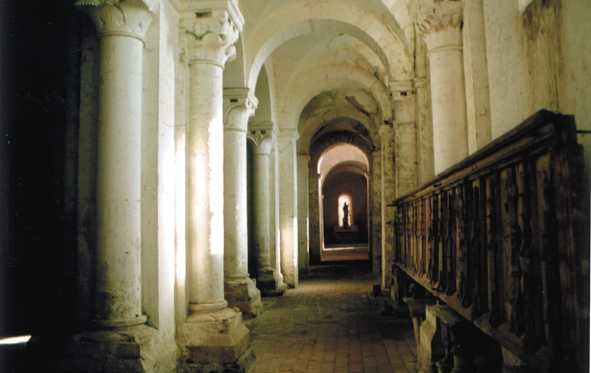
[514,243]
[495,268]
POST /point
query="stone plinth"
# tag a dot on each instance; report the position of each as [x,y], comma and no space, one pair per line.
[134,349]
[244,294]
[215,342]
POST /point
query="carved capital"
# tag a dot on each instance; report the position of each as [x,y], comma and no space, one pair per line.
[130,18]
[238,101]
[438,15]
[262,134]
[402,90]
[210,29]
[386,131]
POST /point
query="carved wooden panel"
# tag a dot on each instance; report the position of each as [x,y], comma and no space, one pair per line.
[501,238]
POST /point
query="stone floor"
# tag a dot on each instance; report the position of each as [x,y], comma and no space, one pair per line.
[331,324]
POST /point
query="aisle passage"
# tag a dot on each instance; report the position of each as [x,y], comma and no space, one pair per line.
[331,324]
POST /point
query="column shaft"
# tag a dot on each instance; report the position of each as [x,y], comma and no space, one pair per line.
[262,201]
[388,189]
[235,216]
[118,275]
[206,187]
[288,208]
[443,36]
[405,137]
[449,107]
[268,279]
[303,212]
[240,290]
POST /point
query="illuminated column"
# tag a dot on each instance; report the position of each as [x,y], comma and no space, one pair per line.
[441,26]
[267,279]
[405,134]
[275,215]
[303,213]
[118,284]
[209,27]
[288,207]
[388,189]
[240,290]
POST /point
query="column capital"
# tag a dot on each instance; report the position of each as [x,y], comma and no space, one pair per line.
[437,15]
[386,130]
[238,100]
[130,18]
[211,27]
[262,133]
[440,22]
[401,90]
[403,97]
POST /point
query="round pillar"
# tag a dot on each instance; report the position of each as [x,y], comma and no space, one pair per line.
[205,142]
[262,202]
[388,193]
[288,208]
[240,290]
[443,36]
[213,334]
[121,29]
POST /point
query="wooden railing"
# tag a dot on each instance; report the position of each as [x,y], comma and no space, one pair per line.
[502,238]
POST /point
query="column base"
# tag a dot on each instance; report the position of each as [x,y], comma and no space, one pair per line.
[243,293]
[140,349]
[270,284]
[215,342]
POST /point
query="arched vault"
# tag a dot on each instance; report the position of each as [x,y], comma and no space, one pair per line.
[287,20]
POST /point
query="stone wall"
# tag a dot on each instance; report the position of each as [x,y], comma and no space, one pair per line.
[537,58]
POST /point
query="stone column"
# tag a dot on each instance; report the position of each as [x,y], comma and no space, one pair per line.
[118,339]
[425,168]
[267,279]
[121,29]
[288,209]
[405,136]
[376,210]
[476,77]
[388,191]
[213,334]
[303,212]
[423,112]
[240,289]
[275,215]
[315,241]
[441,22]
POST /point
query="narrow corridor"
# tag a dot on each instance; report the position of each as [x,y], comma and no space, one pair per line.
[331,324]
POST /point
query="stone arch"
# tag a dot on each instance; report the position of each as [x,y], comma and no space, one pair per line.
[318,147]
[310,126]
[331,77]
[323,144]
[388,41]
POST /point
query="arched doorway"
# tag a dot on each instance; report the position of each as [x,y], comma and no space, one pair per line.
[343,198]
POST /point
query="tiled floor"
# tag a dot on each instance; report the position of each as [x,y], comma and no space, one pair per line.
[331,324]
[344,253]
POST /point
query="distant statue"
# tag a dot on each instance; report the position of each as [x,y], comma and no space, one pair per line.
[345,215]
